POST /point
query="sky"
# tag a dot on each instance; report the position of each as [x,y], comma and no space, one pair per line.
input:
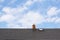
[25,13]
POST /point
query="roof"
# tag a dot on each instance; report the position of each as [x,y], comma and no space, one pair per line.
[29,34]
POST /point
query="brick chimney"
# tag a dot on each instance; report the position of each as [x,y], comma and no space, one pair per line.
[33,27]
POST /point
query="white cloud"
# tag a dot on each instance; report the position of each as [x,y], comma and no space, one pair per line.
[31,18]
[30,2]
[9,10]
[18,9]
[6,18]
[26,20]
[17,12]
[6,9]
[11,14]
[57,20]
[52,11]
[51,19]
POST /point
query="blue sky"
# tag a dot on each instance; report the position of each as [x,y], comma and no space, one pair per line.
[24,13]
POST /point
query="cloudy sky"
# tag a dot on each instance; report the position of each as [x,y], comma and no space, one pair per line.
[24,13]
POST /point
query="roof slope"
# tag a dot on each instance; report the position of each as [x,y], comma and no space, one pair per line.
[29,34]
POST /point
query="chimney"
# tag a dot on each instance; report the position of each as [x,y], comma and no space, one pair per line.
[33,27]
